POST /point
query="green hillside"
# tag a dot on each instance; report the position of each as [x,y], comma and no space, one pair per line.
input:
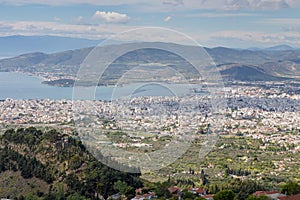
[50,164]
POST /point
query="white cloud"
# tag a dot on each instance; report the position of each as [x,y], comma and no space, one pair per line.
[111,17]
[241,4]
[102,31]
[281,21]
[269,4]
[174,2]
[167,5]
[167,19]
[59,29]
[285,24]
[227,14]
[228,5]
[237,38]
[68,2]
[221,38]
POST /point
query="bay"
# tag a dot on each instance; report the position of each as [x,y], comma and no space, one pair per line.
[16,85]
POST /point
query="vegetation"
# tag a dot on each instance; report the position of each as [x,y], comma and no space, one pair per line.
[290,188]
[52,165]
[122,187]
[236,157]
[63,163]
[262,197]
[224,195]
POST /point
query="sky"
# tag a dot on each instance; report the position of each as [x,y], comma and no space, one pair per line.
[230,23]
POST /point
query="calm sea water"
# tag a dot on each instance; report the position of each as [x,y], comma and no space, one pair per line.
[22,86]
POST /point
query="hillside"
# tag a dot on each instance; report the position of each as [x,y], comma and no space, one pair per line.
[50,163]
[236,64]
[248,73]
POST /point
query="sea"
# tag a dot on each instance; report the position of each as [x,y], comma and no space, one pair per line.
[15,85]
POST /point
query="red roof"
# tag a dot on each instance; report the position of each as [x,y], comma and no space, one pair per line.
[200,191]
[174,189]
[146,195]
[293,197]
[208,196]
[259,193]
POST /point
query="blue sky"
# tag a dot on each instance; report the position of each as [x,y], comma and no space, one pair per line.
[231,23]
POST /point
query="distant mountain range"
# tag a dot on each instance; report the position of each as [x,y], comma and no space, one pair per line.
[16,45]
[282,47]
[277,63]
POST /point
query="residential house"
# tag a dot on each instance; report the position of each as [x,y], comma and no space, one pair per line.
[272,194]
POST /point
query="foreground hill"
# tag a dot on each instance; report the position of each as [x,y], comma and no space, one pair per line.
[235,64]
[50,163]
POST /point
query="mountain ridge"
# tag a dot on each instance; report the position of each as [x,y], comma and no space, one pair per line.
[264,65]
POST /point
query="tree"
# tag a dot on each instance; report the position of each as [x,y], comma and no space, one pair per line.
[30,196]
[76,196]
[290,188]
[21,197]
[199,198]
[161,190]
[122,187]
[187,194]
[224,195]
[75,162]
[262,197]
[73,182]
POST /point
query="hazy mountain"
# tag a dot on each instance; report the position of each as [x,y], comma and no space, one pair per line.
[254,48]
[223,55]
[247,73]
[234,64]
[280,48]
[16,45]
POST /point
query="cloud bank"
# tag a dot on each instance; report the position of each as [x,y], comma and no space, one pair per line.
[178,4]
